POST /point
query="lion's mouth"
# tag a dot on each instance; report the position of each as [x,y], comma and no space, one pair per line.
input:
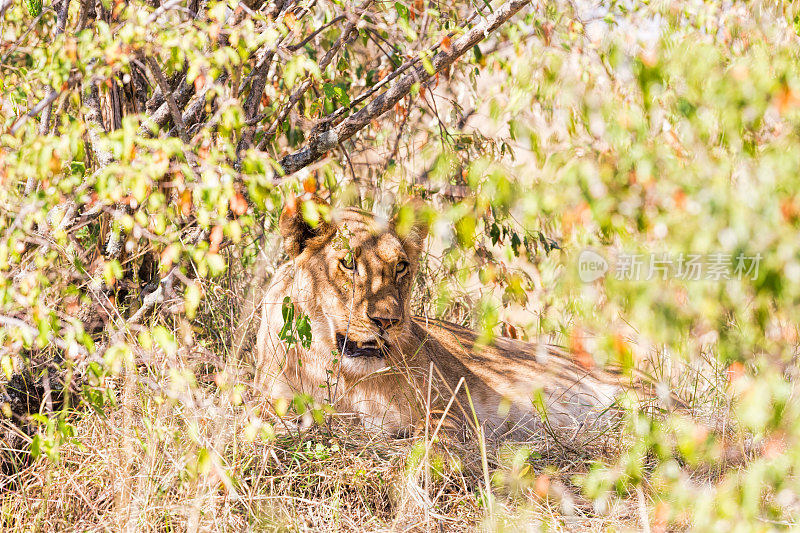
[352,348]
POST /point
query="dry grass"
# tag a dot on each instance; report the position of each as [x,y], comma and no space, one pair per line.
[191,443]
[180,458]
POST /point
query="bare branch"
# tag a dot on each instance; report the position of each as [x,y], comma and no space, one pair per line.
[298,46]
[45,105]
[254,97]
[4,5]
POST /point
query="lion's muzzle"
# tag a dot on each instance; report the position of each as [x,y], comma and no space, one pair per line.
[351,348]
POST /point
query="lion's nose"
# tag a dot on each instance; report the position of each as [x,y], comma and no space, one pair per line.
[384,323]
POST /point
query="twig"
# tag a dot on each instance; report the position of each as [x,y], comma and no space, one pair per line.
[396,147]
[51,96]
[161,9]
[4,5]
[48,393]
[194,111]
[148,303]
[254,98]
[298,46]
[335,117]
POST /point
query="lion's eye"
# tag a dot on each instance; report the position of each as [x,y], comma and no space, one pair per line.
[402,266]
[347,262]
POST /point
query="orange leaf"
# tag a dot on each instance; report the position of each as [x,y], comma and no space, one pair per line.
[660,517]
[446,43]
[290,206]
[73,306]
[310,184]
[679,197]
[292,23]
[185,202]
[774,447]
[790,210]
[238,204]
[579,354]
[55,164]
[71,49]
[199,82]
[542,485]
[735,371]
[160,158]
[787,99]
[169,256]
[620,346]
[215,239]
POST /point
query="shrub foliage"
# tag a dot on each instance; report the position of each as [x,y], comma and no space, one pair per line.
[146,149]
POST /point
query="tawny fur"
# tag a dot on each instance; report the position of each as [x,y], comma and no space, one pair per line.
[501,382]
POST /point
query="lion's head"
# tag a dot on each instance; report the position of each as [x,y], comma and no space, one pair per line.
[358,272]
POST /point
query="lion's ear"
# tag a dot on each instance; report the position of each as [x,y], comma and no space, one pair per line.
[410,222]
[305,224]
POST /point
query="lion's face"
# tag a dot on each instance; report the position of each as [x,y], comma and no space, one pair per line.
[360,273]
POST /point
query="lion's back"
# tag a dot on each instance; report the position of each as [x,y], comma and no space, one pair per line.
[515,384]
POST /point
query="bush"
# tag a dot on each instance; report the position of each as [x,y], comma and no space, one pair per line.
[622,180]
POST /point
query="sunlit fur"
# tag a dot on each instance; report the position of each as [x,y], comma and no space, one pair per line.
[391,393]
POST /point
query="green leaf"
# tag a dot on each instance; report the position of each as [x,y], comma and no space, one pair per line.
[402,11]
[34,7]
[165,339]
[191,299]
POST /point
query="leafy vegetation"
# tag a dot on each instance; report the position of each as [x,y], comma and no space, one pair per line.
[620,178]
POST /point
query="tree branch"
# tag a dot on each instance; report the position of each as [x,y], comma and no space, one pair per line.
[4,5]
[159,118]
[254,97]
[94,125]
[52,94]
[173,107]
[325,141]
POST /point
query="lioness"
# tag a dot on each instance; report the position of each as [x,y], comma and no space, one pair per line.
[352,276]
